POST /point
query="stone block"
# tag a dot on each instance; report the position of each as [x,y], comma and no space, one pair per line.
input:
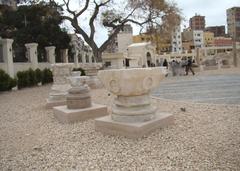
[51,104]
[78,104]
[132,130]
[65,115]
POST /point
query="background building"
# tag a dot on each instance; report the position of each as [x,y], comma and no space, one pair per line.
[197,22]
[193,37]
[177,40]
[11,3]
[223,41]
[217,30]
[208,38]
[124,38]
[198,38]
[121,41]
[233,22]
[163,44]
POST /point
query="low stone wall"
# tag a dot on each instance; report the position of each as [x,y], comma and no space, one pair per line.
[225,66]
[210,67]
[21,66]
[196,69]
[3,66]
[44,65]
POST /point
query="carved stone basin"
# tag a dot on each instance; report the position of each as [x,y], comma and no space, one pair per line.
[132,88]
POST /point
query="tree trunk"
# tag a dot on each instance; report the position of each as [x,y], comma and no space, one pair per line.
[97,55]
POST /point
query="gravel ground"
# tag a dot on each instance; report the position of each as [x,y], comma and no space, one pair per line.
[204,137]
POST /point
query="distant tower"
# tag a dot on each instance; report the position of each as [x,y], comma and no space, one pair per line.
[197,22]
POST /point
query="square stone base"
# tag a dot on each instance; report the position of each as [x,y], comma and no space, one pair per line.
[65,115]
[51,104]
[132,130]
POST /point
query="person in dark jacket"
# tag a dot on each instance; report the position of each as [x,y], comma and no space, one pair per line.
[189,66]
[165,63]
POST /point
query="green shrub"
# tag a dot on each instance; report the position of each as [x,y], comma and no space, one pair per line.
[12,83]
[32,77]
[47,76]
[81,70]
[6,82]
[23,79]
[39,75]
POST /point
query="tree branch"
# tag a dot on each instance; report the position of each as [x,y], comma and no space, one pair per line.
[94,16]
[68,9]
[110,38]
[84,8]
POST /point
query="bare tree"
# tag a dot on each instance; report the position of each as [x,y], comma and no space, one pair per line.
[140,12]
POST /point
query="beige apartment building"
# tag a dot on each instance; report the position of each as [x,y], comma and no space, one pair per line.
[208,38]
[233,22]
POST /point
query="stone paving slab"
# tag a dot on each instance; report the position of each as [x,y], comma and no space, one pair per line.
[217,89]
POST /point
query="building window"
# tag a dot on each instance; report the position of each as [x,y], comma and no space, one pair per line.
[108,63]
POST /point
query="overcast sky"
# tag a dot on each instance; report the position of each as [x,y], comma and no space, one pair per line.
[213,10]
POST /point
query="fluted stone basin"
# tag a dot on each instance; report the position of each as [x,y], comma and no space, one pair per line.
[132,89]
[61,85]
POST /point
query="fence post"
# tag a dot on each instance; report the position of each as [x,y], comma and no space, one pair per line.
[50,50]
[32,52]
[8,55]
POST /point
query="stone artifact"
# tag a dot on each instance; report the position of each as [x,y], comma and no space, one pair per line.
[79,95]
[60,86]
[79,106]
[133,114]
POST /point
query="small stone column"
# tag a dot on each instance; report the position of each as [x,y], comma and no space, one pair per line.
[198,56]
[8,55]
[32,52]
[84,58]
[76,58]
[65,55]
[50,50]
[205,52]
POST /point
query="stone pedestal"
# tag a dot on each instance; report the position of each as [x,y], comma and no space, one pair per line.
[79,106]
[65,115]
[133,114]
[61,85]
[133,130]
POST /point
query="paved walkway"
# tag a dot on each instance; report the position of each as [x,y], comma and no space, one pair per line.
[217,89]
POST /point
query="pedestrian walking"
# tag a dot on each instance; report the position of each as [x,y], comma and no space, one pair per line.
[189,66]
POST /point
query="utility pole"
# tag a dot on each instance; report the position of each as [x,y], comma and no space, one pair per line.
[235,59]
